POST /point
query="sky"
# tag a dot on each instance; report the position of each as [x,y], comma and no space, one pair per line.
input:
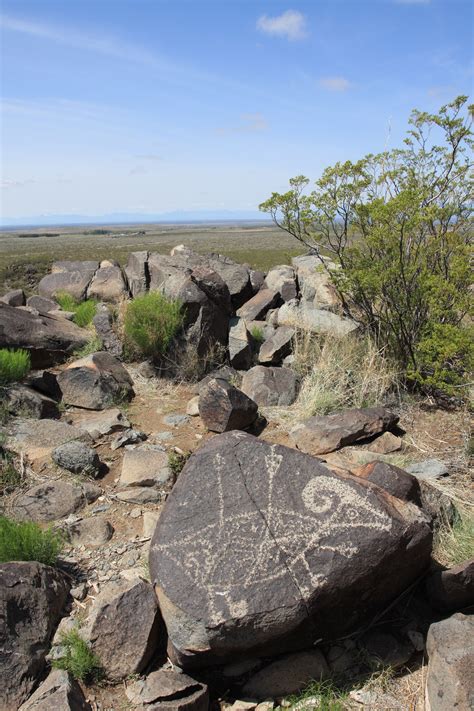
[148,107]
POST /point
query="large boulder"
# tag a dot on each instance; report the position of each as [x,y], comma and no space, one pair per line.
[49,339]
[32,597]
[136,271]
[123,627]
[52,500]
[302,314]
[326,433]
[450,674]
[223,407]
[259,549]
[58,692]
[283,280]
[95,382]
[108,283]
[68,277]
[257,307]
[270,386]
[240,344]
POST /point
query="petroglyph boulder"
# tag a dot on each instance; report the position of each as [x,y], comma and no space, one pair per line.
[260,548]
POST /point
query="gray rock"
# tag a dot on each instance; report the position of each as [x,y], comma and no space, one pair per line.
[129,436]
[315,281]
[257,279]
[14,298]
[137,273]
[123,627]
[223,407]
[107,284]
[270,386]
[36,439]
[101,423]
[283,280]
[438,506]
[304,315]
[393,479]
[256,307]
[326,433]
[90,532]
[192,408]
[145,467]
[41,304]
[49,501]
[104,326]
[428,469]
[287,675]
[450,674]
[58,692]
[77,457]
[277,347]
[48,339]
[240,348]
[259,547]
[452,589]
[150,519]
[68,277]
[140,495]
[175,420]
[95,382]
[168,691]
[23,400]
[32,598]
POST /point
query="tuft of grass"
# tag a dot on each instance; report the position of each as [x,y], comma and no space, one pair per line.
[14,365]
[93,345]
[10,477]
[340,373]
[319,696]
[151,322]
[257,334]
[176,461]
[25,540]
[83,311]
[78,659]
[455,544]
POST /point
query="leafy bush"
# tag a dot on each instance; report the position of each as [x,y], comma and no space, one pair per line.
[84,311]
[151,322]
[27,541]
[397,226]
[78,658]
[14,365]
[340,373]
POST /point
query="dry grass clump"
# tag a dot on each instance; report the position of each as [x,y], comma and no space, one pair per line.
[455,544]
[340,373]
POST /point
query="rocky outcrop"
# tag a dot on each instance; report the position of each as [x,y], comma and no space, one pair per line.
[58,692]
[95,382]
[450,674]
[270,386]
[123,627]
[326,433]
[32,597]
[49,339]
[259,547]
[223,407]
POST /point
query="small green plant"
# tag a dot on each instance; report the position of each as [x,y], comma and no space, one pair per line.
[79,659]
[83,311]
[93,345]
[10,477]
[14,365]
[257,334]
[319,696]
[177,460]
[455,544]
[151,323]
[25,540]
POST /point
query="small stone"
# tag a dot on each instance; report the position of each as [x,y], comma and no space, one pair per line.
[192,408]
[79,591]
[135,513]
[140,495]
[175,420]
[385,444]
[428,469]
[77,457]
[126,437]
[150,519]
[93,532]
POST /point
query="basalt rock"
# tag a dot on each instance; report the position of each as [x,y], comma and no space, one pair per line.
[223,407]
[68,277]
[261,549]
[58,692]
[270,386]
[95,382]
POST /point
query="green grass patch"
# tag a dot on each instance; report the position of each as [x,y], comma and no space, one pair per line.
[84,311]
[14,365]
[455,544]
[10,477]
[151,323]
[79,659]
[25,540]
[93,345]
[320,696]
[257,334]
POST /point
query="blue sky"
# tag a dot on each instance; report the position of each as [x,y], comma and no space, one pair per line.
[150,106]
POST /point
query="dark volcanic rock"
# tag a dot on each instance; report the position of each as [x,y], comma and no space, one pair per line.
[68,277]
[168,691]
[20,399]
[108,284]
[103,324]
[223,407]
[95,382]
[270,386]
[32,597]
[58,692]
[240,348]
[326,433]
[41,303]
[393,479]
[277,347]
[256,307]
[137,273]
[452,589]
[14,298]
[77,457]
[260,548]
[48,338]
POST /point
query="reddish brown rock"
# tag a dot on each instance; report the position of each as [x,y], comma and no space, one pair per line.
[223,407]
[393,479]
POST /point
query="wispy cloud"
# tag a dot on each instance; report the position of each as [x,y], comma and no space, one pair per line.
[7,184]
[290,24]
[335,83]
[250,123]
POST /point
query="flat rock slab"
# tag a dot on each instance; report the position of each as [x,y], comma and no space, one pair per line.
[270,386]
[32,598]
[95,382]
[145,466]
[169,691]
[277,347]
[51,501]
[319,435]
[258,305]
[428,469]
[36,439]
[259,547]
[103,422]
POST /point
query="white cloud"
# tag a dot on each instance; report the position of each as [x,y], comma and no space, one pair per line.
[335,83]
[290,24]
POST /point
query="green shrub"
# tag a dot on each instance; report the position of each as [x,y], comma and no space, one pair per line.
[151,322]
[93,345]
[14,365]
[177,460]
[10,477]
[84,311]
[257,334]
[78,658]
[25,540]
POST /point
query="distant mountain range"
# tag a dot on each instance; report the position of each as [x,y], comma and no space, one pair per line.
[120,218]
